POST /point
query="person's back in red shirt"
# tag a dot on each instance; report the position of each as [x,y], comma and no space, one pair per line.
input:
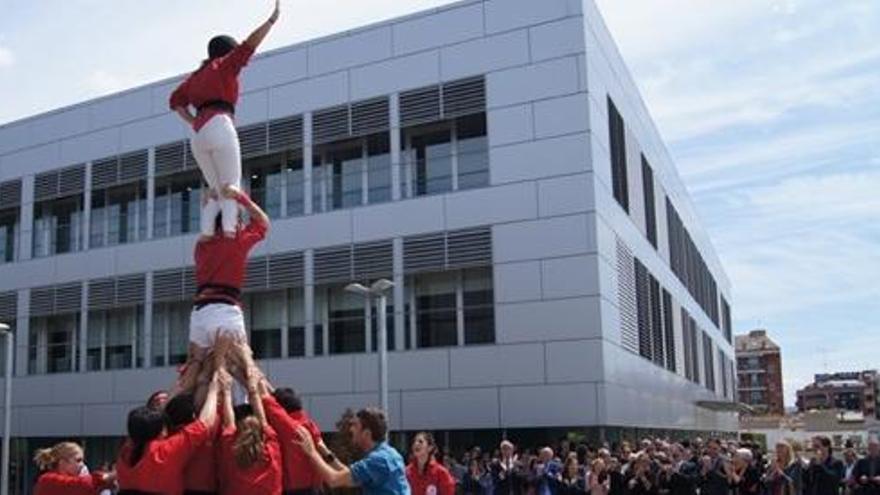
[299,472]
[54,483]
[262,476]
[160,468]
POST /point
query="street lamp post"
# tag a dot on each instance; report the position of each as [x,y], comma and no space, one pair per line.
[7,411]
[378,290]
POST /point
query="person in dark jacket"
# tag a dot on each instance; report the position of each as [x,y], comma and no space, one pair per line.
[506,472]
[866,473]
[824,473]
[715,470]
[686,472]
[745,478]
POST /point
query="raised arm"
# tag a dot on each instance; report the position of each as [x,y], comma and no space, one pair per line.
[228,412]
[254,211]
[336,475]
[260,33]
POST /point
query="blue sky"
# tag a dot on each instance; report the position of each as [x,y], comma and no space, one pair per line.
[770,108]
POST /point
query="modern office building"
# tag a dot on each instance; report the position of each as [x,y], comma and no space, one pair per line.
[493,158]
[759,373]
[846,391]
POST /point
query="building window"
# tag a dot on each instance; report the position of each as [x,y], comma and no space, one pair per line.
[688,265]
[265,181]
[709,361]
[669,331]
[343,314]
[177,207]
[617,140]
[9,232]
[296,324]
[445,156]
[650,210]
[118,215]
[436,314]
[351,173]
[479,306]
[58,226]
[378,168]
[52,344]
[170,337]
[114,339]
[295,186]
[265,317]
[450,308]
[726,327]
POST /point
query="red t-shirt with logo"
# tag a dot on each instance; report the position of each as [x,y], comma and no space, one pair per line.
[299,472]
[436,480]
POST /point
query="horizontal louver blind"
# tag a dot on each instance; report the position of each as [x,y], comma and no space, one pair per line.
[286,133]
[170,158]
[8,307]
[10,193]
[469,247]
[420,106]
[373,260]
[446,251]
[257,274]
[626,299]
[102,293]
[369,117]
[71,180]
[253,140]
[464,97]
[130,289]
[56,299]
[424,253]
[286,270]
[168,285]
[331,124]
[105,172]
[333,264]
[133,166]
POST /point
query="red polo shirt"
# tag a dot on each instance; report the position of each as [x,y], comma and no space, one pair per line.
[222,261]
[261,478]
[54,483]
[160,470]
[216,80]
[200,473]
[436,479]
[299,472]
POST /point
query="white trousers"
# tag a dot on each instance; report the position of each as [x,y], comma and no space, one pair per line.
[216,149]
[206,324]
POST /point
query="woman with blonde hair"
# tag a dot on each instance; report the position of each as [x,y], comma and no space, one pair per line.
[61,466]
[249,460]
[785,475]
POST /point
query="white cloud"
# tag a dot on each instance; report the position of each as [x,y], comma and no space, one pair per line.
[7,59]
[101,82]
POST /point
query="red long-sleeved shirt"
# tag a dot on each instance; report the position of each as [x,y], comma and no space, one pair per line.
[54,483]
[216,80]
[299,472]
[222,261]
[435,476]
[160,470]
[262,478]
[200,473]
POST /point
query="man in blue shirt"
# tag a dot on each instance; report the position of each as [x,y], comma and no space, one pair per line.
[381,472]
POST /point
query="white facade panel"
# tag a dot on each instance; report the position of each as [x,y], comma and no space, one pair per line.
[559,319]
[343,52]
[485,55]
[491,365]
[530,406]
[519,281]
[565,195]
[510,125]
[557,39]
[467,407]
[571,276]
[502,15]
[539,159]
[556,77]
[412,71]
[445,27]
[498,204]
